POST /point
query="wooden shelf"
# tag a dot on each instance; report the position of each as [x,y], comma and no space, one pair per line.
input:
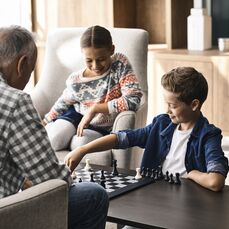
[165,20]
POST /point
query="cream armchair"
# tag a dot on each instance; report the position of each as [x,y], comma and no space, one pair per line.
[39,207]
[63,56]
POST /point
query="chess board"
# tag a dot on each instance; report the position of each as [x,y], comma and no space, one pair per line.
[114,185]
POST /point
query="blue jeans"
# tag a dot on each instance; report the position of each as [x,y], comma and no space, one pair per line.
[88,206]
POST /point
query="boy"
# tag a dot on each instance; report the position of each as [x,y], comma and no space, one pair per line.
[182,141]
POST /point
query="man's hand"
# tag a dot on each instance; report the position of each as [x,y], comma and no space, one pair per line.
[27,184]
[73,158]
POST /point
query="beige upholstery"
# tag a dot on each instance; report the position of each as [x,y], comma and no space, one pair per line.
[39,207]
[63,56]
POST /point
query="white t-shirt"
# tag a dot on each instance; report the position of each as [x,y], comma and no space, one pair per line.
[175,160]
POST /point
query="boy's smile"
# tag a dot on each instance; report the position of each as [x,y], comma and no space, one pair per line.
[180,112]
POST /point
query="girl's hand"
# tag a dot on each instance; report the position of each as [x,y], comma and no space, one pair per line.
[73,158]
[85,121]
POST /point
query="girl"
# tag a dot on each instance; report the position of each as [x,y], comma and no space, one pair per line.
[95,95]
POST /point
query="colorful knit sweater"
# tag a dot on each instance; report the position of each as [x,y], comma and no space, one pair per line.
[118,87]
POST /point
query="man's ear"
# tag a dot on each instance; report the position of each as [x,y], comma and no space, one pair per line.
[112,49]
[22,65]
[195,104]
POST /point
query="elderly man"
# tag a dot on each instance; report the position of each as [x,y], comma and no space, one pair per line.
[26,155]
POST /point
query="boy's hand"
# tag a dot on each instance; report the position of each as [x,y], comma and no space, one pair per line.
[73,158]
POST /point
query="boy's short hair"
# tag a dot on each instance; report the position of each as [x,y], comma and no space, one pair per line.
[187,82]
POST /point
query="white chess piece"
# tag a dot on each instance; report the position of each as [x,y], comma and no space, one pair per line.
[74,175]
[138,174]
[87,166]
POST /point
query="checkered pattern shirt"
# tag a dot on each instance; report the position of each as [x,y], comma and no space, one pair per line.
[25,151]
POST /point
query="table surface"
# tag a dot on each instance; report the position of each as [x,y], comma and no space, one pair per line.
[165,205]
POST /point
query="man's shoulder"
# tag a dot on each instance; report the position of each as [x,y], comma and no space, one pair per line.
[10,94]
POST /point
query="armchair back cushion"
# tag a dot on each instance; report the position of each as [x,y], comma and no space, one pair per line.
[63,56]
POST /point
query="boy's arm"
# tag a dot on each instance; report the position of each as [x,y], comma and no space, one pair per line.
[211,180]
[101,144]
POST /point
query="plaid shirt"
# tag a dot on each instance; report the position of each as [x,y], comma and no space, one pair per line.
[25,150]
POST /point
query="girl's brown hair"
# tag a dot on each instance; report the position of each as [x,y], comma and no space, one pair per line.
[97,37]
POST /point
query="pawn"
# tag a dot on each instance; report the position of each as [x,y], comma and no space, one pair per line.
[171,181]
[80,180]
[92,177]
[148,172]
[160,174]
[87,166]
[143,172]
[156,174]
[102,177]
[102,183]
[166,176]
[138,174]
[177,179]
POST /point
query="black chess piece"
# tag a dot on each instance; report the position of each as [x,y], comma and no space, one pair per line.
[148,172]
[143,171]
[102,177]
[92,177]
[102,183]
[166,176]
[171,180]
[80,180]
[115,171]
[160,174]
[156,174]
[177,179]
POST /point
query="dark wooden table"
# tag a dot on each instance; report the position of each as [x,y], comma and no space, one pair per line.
[163,205]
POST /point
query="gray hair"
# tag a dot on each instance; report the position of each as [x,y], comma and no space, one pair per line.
[15,41]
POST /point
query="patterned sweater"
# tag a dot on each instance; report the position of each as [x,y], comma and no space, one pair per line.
[118,87]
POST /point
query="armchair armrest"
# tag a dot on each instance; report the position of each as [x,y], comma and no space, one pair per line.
[124,120]
[40,207]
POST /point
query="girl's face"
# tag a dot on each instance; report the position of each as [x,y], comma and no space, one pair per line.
[180,112]
[98,60]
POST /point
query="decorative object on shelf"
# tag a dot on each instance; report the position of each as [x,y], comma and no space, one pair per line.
[199,25]
[223,44]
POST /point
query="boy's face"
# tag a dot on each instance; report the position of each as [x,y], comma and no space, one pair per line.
[98,60]
[179,112]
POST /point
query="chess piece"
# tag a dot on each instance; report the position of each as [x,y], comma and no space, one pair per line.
[92,177]
[155,171]
[87,166]
[115,171]
[102,183]
[80,180]
[143,172]
[177,179]
[171,181]
[73,175]
[138,174]
[160,174]
[148,172]
[166,176]
[102,175]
